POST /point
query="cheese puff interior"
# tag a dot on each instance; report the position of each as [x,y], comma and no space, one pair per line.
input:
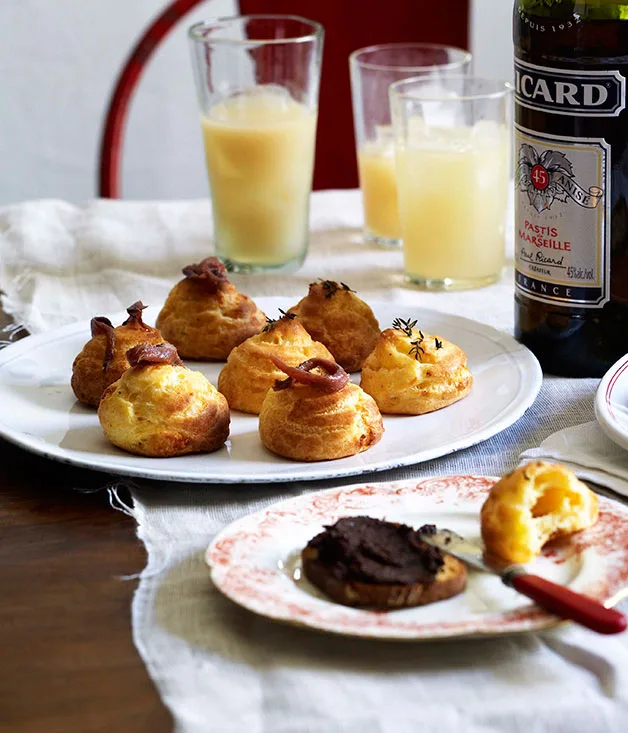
[532,505]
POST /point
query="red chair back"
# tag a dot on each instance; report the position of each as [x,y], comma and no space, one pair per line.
[353,24]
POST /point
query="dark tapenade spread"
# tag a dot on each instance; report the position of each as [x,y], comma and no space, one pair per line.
[374,551]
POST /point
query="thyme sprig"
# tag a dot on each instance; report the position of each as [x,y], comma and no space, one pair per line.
[416,349]
[405,325]
[272,322]
[331,287]
[416,344]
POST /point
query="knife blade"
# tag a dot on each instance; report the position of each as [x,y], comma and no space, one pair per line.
[555,598]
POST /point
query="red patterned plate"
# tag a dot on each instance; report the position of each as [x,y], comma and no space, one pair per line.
[255,562]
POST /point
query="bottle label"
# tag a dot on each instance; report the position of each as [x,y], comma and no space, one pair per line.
[576,93]
[562,237]
[562,182]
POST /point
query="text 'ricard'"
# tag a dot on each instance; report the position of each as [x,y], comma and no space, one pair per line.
[569,92]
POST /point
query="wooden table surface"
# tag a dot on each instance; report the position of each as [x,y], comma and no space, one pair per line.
[68,662]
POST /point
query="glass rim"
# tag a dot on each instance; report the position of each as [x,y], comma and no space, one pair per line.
[502,88]
[466,56]
[194,31]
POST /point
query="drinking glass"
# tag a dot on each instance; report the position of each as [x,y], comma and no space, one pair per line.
[257,79]
[373,70]
[452,142]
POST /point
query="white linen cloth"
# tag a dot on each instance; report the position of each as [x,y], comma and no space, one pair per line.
[220,668]
[61,263]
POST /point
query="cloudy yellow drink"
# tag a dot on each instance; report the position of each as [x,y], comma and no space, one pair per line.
[453,186]
[259,148]
[378,181]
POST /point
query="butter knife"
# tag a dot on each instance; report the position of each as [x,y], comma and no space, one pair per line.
[555,598]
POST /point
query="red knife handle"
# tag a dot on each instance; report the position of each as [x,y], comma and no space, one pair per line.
[568,604]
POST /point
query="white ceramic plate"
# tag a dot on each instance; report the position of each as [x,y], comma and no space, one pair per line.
[38,410]
[611,403]
[256,562]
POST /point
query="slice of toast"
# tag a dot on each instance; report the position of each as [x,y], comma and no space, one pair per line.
[450,580]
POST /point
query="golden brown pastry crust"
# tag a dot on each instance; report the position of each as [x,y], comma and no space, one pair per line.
[206,323]
[334,315]
[160,411]
[406,381]
[249,372]
[532,505]
[305,424]
[90,377]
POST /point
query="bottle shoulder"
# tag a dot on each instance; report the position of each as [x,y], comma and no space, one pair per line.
[572,40]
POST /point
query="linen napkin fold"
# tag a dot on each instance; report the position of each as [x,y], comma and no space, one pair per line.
[587,451]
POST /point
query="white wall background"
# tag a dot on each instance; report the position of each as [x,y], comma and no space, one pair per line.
[491,38]
[58,61]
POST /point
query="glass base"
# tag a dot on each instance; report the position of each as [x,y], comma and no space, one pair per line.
[381,241]
[451,283]
[252,268]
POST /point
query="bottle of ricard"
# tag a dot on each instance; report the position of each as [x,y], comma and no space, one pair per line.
[571,182]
